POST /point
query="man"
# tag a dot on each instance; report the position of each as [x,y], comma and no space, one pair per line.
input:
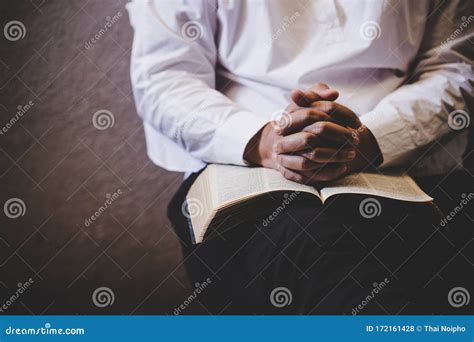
[246,83]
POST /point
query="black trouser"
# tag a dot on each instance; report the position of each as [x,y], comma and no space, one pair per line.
[329,259]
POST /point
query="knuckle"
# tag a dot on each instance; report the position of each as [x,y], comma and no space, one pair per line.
[315,153]
[291,107]
[311,155]
[321,85]
[295,178]
[322,127]
[321,116]
[306,114]
[325,106]
[298,178]
[317,115]
[330,106]
[279,159]
[304,163]
[307,138]
[286,173]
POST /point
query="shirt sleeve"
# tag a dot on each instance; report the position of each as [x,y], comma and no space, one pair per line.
[439,88]
[173,76]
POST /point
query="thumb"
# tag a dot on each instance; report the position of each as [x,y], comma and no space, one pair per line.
[306,98]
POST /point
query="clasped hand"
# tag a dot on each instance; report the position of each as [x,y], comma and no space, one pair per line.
[315,139]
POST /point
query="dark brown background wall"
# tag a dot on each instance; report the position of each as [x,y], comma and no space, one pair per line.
[62,168]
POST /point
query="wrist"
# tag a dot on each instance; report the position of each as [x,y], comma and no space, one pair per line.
[374,154]
[368,150]
[259,148]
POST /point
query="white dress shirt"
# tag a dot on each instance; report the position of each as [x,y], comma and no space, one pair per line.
[207,75]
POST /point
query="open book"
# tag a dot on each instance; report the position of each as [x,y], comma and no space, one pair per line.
[221,191]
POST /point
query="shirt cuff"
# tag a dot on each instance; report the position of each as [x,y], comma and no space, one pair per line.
[232,137]
[391,133]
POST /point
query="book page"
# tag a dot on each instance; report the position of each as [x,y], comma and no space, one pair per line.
[391,184]
[276,182]
[237,183]
[199,205]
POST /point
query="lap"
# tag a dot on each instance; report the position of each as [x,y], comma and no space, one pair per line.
[328,257]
